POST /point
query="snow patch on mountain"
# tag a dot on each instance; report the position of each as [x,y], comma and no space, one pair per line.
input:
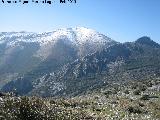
[83,39]
[77,35]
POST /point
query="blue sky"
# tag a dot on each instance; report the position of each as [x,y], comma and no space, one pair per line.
[122,20]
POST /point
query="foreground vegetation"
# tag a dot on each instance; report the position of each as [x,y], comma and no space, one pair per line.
[138,100]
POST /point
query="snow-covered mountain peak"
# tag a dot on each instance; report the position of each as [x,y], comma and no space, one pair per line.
[83,40]
[80,35]
[76,36]
[91,36]
[85,30]
[64,33]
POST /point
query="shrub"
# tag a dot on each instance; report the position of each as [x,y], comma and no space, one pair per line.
[144,97]
[126,91]
[141,104]
[107,93]
[137,92]
[134,109]
[149,84]
[142,87]
[134,86]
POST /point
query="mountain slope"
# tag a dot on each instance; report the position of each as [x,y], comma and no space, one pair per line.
[120,62]
[28,56]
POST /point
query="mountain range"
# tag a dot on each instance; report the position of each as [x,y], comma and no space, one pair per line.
[71,61]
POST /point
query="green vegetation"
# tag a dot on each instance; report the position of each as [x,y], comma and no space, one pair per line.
[107,103]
